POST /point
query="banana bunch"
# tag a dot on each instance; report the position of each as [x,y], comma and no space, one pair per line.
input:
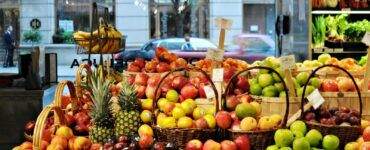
[106,39]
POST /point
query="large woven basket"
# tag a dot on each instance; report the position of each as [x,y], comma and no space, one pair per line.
[261,139]
[346,134]
[179,136]
[41,120]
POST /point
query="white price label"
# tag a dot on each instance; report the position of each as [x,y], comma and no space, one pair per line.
[218,75]
[287,62]
[366,39]
[209,92]
[215,54]
[315,99]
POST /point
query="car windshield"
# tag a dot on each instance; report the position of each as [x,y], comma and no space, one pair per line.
[177,44]
[255,44]
[201,44]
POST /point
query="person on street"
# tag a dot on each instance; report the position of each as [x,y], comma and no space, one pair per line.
[187,46]
[9,47]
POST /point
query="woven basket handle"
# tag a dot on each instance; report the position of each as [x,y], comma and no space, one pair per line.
[40,123]
[313,73]
[79,71]
[157,95]
[234,77]
[59,93]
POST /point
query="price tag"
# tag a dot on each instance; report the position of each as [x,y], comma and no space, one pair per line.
[209,92]
[218,75]
[287,62]
[315,99]
[366,39]
[215,54]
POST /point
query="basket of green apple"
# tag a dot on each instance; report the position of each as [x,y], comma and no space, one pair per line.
[246,117]
[182,109]
[342,121]
[298,137]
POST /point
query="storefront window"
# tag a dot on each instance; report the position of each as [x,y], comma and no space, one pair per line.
[73,15]
[177,18]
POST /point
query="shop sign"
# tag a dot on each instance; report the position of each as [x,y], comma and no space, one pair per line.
[35,24]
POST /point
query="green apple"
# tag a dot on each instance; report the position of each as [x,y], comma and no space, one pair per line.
[276,77]
[243,110]
[298,126]
[279,86]
[253,81]
[283,137]
[298,134]
[285,148]
[351,146]
[315,82]
[265,80]
[323,58]
[301,144]
[272,147]
[302,78]
[309,90]
[330,142]
[270,91]
[272,62]
[314,137]
[255,89]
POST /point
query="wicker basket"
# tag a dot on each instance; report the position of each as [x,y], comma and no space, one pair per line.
[345,133]
[59,92]
[179,136]
[40,123]
[260,140]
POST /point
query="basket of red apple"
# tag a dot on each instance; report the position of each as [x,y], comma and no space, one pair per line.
[245,116]
[328,119]
[51,132]
[184,107]
[240,143]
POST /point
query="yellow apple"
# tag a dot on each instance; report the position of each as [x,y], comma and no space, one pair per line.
[145,130]
[65,132]
[248,123]
[191,102]
[167,122]
[211,121]
[265,123]
[161,102]
[147,104]
[178,112]
[146,116]
[211,110]
[364,124]
[276,119]
[81,143]
[198,112]
[187,106]
[257,106]
[185,122]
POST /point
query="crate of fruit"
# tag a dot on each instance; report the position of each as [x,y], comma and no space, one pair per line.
[329,118]
[248,116]
[178,117]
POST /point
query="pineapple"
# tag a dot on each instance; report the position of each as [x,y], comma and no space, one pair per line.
[102,128]
[127,120]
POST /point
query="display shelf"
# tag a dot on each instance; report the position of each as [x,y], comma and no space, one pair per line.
[320,12]
[335,50]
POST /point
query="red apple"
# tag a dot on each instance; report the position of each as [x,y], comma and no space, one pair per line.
[159,146]
[131,79]
[70,120]
[189,91]
[228,145]
[245,99]
[202,93]
[194,145]
[201,123]
[165,88]
[146,141]
[141,79]
[211,145]
[195,81]
[154,80]
[228,73]
[238,91]
[243,142]
[163,67]
[233,115]
[232,102]
[140,91]
[366,134]
[133,68]
[223,119]
[179,82]
[140,62]
[329,85]
[242,83]
[236,125]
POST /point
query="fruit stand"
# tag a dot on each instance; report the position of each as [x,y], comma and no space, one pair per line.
[215,103]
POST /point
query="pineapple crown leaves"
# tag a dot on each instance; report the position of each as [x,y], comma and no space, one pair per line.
[101,110]
[128,97]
